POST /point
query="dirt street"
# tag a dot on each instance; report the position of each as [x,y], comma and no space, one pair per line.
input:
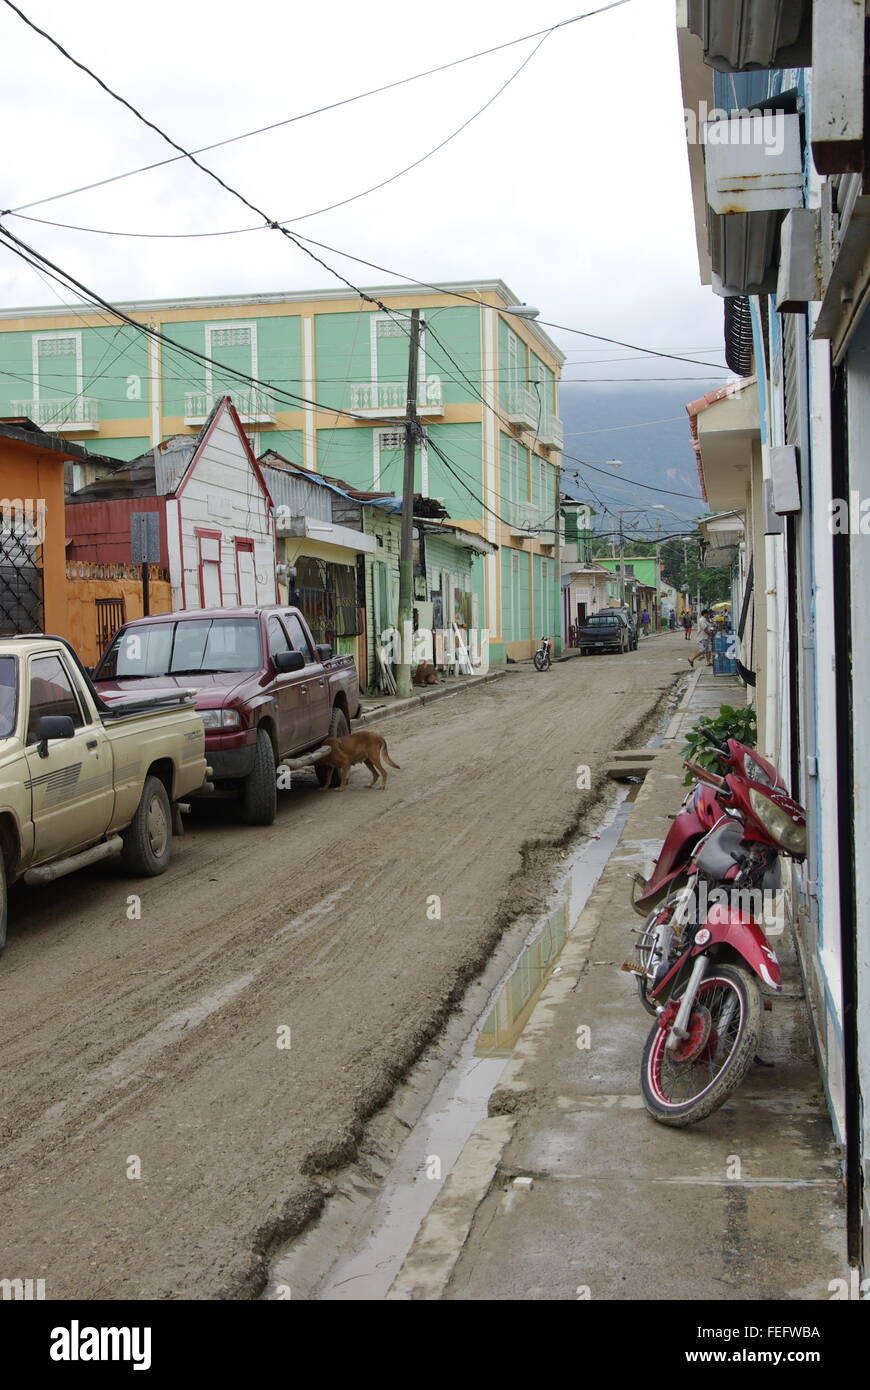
[152,1046]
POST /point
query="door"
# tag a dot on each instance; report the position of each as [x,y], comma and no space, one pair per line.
[232,348]
[390,347]
[314,680]
[210,587]
[291,695]
[72,792]
[57,374]
[246,574]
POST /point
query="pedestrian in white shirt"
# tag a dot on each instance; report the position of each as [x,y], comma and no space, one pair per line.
[705,640]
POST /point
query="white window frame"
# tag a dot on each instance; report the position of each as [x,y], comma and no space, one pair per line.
[376,458]
[38,338]
[513,361]
[513,471]
[211,328]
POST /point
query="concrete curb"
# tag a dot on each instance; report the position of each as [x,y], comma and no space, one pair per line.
[430,1262]
[437,693]
[427,1269]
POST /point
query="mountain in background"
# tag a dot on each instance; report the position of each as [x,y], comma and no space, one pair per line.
[645,427]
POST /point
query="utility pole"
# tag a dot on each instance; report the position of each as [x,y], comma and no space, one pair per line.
[406,553]
[621,564]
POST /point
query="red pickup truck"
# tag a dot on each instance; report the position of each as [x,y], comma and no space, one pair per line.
[264,688]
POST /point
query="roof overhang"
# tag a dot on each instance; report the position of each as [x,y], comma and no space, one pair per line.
[469,540]
[724,534]
[312,528]
[724,426]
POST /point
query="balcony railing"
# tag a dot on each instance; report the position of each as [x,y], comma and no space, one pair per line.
[552,433]
[61,413]
[254,407]
[522,407]
[374,398]
[523,518]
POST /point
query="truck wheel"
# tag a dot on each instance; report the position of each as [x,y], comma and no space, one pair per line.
[148,837]
[260,787]
[338,727]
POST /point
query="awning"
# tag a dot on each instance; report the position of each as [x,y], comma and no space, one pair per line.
[744,35]
[325,532]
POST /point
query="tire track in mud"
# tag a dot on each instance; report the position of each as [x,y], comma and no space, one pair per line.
[325,912]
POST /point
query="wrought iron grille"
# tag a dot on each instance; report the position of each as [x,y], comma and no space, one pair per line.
[21,587]
[110,616]
[328,598]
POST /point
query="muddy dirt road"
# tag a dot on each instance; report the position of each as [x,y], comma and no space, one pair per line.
[151,1045]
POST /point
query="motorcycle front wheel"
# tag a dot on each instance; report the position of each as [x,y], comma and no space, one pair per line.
[541,661]
[686,1085]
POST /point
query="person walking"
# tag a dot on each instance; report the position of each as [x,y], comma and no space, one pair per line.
[672,621]
[705,640]
[645,622]
[687,624]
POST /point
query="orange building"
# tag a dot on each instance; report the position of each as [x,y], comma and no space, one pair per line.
[33,586]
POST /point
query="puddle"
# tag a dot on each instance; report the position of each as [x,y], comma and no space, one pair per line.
[425,1158]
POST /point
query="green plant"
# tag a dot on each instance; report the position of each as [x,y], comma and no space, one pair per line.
[729,723]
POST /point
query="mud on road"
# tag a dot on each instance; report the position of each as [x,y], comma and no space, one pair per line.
[150,1045]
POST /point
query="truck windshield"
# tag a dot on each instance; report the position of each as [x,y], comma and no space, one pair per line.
[8,695]
[194,646]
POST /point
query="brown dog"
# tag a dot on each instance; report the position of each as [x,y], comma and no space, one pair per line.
[364,747]
[425,674]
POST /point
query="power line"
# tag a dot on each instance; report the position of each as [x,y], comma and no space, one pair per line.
[422,284]
[96,300]
[290,120]
[330,207]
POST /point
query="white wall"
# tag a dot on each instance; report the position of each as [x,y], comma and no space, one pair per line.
[222,494]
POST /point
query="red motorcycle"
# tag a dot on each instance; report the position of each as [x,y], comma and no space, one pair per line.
[702,950]
[700,811]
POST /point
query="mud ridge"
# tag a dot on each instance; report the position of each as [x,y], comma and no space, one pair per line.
[304,1207]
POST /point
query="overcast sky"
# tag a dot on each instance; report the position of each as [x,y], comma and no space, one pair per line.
[572,186]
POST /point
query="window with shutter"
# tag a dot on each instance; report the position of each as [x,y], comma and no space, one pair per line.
[57,366]
[234,348]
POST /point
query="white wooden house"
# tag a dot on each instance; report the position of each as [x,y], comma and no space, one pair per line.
[220,533]
[217,532]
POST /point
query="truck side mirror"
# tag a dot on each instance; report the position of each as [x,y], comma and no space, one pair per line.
[324,651]
[289,661]
[53,726]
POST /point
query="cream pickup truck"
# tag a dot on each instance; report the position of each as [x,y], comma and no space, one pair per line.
[84,776]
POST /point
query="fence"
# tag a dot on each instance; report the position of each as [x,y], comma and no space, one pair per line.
[100,598]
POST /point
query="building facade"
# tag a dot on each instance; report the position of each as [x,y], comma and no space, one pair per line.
[775,107]
[330,391]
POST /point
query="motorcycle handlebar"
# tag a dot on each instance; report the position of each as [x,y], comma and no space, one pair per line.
[704,774]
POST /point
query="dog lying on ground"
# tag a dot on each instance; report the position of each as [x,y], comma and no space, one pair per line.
[364,747]
[425,674]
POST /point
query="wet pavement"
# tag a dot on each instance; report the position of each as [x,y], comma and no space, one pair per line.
[569,1190]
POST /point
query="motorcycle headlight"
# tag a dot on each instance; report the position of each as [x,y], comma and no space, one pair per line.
[755,772]
[779,825]
[220,718]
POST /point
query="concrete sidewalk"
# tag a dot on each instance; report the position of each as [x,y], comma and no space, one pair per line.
[571,1190]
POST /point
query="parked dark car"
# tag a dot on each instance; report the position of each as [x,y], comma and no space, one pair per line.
[629,618]
[264,688]
[605,632]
